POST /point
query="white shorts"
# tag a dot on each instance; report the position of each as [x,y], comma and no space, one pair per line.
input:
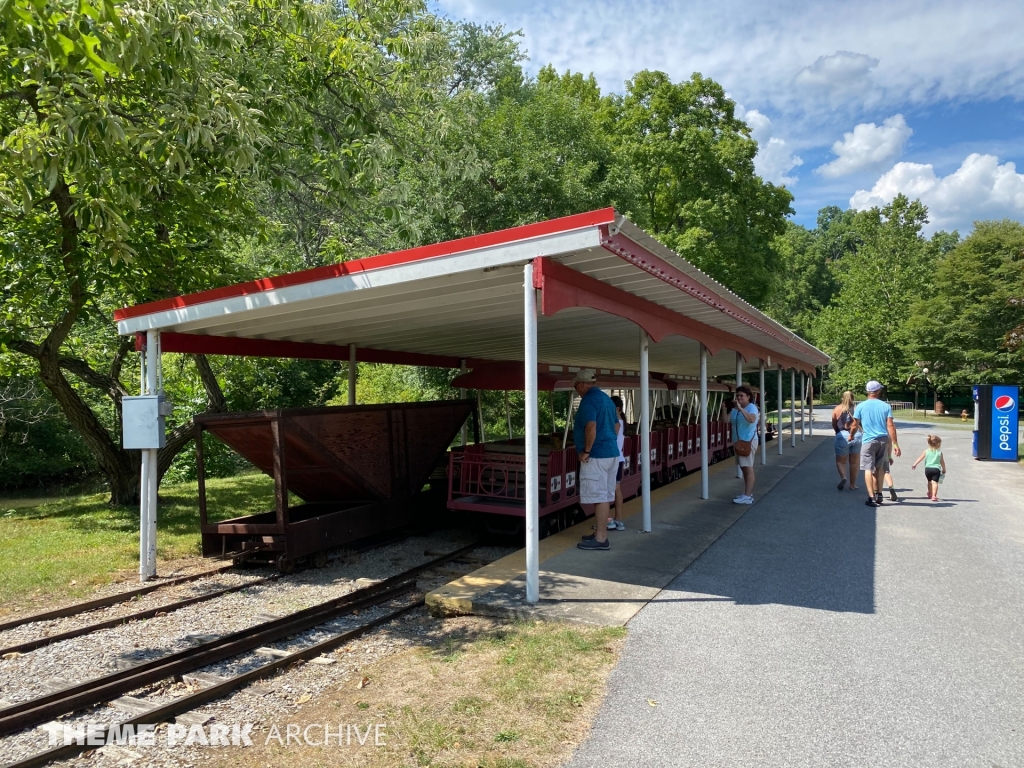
[748,460]
[597,480]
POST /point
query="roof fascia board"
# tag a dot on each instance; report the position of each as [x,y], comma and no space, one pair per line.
[655,264]
[447,248]
[363,278]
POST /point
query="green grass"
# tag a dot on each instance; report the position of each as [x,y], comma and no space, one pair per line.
[65,548]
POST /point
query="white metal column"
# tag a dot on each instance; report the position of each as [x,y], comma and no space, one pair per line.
[803,406]
[764,415]
[645,431]
[739,383]
[778,436]
[703,422]
[480,415]
[532,448]
[150,473]
[792,407]
[810,406]
[462,396]
[352,367]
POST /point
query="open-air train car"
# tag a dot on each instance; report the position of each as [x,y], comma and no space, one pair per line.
[488,478]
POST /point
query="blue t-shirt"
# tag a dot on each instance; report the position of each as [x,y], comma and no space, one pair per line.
[873,415]
[597,407]
[741,428]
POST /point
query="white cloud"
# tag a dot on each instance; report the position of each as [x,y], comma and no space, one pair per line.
[841,69]
[789,59]
[980,188]
[867,146]
[775,158]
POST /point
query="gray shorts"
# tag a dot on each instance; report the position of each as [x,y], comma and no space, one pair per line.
[875,454]
[844,447]
[597,480]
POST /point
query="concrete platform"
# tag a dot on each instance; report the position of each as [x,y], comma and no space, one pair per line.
[609,588]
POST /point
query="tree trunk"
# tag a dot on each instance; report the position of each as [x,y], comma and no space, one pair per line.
[119,467]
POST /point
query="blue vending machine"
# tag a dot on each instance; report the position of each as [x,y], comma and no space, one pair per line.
[995,422]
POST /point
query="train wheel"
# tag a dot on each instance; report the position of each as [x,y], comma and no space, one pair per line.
[320,559]
[285,565]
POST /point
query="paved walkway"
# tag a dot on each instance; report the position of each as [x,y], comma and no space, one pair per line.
[820,632]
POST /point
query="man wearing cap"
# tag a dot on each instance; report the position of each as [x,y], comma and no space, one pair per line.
[594,435]
[874,418]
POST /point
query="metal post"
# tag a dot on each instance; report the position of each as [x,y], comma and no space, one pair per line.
[147,563]
[645,431]
[764,415]
[703,422]
[792,407]
[532,448]
[739,383]
[480,411]
[803,406]
[144,512]
[779,392]
[352,366]
[462,396]
[810,406]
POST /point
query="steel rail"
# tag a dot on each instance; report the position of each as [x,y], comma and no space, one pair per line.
[149,613]
[98,690]
[165,712]
[103,602]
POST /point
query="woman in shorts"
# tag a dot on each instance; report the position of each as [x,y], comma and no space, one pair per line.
[847,453]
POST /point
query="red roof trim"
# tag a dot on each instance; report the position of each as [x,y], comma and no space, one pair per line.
[448,248]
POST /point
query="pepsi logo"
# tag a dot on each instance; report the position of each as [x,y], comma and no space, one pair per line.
[1004,403]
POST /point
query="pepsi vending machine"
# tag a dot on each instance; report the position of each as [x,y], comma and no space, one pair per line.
[995,422]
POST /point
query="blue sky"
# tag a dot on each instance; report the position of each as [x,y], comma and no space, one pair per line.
[851,103]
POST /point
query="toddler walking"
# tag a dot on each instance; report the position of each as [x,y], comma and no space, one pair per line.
[934,465]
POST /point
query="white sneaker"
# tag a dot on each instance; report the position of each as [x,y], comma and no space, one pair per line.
[744,499]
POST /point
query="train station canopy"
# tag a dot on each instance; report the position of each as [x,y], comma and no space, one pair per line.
[598,278]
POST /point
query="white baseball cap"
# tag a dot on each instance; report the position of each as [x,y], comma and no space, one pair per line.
[873,386]
[587,376]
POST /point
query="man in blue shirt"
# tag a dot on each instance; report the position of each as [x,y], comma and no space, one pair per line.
[873,417]
[594,435]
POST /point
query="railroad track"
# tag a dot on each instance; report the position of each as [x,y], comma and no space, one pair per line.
[103,689]
[148,613]
[103,602]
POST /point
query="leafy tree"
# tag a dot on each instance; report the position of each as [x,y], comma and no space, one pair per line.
[685,164]
[137,139]
[864,329]
[965,327]
[804,281]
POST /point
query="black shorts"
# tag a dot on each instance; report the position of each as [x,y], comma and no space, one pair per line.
[932,474]
[618,473]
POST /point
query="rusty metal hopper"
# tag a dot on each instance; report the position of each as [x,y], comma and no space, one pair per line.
[342,461]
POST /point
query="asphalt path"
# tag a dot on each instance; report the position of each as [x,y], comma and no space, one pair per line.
[821,632]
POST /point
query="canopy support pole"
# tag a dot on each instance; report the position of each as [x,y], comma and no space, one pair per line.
[150,474]
[645,430]
[532,448]
[778,390]
[462,396]
[810,406]
[803,407]
[792,407]
[739,383]
[703,422]
[352,366]
[480,415]
[763,414]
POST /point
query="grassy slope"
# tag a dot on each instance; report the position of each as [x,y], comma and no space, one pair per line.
[64,548]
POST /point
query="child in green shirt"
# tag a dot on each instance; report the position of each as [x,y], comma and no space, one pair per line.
[934,465]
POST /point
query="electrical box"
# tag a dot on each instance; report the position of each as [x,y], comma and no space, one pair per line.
[143,421]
